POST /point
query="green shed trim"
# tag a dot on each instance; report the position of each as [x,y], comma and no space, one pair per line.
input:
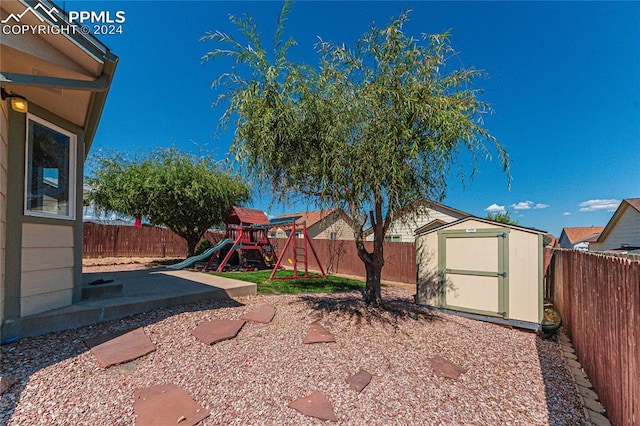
[502,273]
[540,277]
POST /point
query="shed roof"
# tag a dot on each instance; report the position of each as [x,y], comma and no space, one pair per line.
[247,215]
[581,233]
[480,219]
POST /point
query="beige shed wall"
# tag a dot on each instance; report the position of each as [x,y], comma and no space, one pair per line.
[524,273]
[427,268]
[323,229]
[4,151]
[524,269]
[47,267]
[625,231]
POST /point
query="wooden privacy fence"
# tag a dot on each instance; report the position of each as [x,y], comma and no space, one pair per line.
[598,297]
[128,241]
[341,257]
[337,256]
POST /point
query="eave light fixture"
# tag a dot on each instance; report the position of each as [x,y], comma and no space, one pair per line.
[18,103]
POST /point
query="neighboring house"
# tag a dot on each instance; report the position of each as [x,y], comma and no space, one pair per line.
[622,233]
[579,238]
[330,224]
[54,88]
[427,215]
[245,216]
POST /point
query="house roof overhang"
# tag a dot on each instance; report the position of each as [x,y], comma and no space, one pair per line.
[65,72]
[633,203]
[422,202]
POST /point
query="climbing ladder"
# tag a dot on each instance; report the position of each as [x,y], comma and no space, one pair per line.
[300,251]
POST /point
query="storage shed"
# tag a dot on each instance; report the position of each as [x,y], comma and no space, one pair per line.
[482,269]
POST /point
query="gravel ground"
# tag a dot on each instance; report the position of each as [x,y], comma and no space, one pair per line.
[513,377]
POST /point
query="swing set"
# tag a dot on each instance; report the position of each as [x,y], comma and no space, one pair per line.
[255,239]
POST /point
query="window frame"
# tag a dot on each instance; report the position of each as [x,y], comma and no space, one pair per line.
[73,164]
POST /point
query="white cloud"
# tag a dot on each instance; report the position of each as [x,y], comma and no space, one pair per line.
[528,205]
[494,208]
[566,214]
[523,205]
[598,205]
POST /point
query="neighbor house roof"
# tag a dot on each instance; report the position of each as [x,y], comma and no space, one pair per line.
[245,215]
[633,203]
[581,233]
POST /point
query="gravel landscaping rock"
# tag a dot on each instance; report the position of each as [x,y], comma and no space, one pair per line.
[512,376]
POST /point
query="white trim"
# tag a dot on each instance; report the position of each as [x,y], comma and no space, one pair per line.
[73,148]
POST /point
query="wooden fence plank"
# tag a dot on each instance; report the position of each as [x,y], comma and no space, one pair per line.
[600,304]
[128,241]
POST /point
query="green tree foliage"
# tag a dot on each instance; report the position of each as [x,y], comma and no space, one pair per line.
[502,217]
[371,129]
[171,188]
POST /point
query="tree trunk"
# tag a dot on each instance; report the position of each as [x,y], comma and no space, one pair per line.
[373,262]
[372,295]
[192,242]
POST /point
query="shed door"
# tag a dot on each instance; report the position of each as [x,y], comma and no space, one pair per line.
[474,265]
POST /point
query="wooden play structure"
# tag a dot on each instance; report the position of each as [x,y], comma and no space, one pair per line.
[300,244]
[249,244]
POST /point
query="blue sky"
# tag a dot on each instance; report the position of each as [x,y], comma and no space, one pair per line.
[564,81]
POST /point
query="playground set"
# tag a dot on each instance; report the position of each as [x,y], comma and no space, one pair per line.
[247,246]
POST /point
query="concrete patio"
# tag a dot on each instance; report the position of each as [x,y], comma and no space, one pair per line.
[126,293]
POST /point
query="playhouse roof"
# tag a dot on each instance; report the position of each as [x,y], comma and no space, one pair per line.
[245,215]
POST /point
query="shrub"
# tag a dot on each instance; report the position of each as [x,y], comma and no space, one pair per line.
[202,246]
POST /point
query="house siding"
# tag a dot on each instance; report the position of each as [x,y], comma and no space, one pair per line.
[406,230]
[4,151]
[47,267]
[625,231]
[564,242]
[323,229]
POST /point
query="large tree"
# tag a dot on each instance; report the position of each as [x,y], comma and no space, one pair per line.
[371,129]
[502,217]
[187,194]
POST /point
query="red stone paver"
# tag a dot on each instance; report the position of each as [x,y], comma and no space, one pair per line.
[161,405]
[360,380]
[110,350]
[263,314]
[315,405]
[318,334]
[444,368]
[7,381]
[215,331]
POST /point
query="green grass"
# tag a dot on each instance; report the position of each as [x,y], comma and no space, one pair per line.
[312,285]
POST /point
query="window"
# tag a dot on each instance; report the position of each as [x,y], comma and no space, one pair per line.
[333,236]
[393,238]
[50,170]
